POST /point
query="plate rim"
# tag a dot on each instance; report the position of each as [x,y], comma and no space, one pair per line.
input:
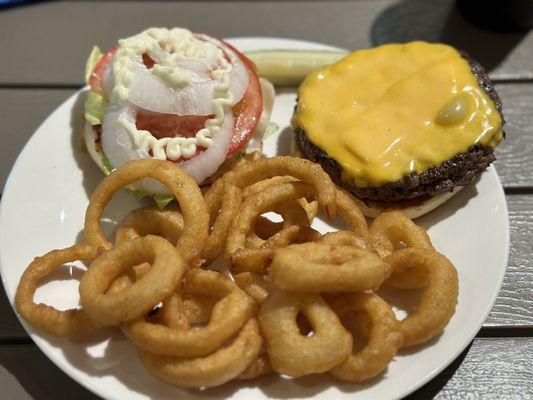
[39,340]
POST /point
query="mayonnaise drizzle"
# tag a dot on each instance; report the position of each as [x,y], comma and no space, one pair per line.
[167,48]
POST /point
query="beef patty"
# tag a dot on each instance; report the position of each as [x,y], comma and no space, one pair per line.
[460,170]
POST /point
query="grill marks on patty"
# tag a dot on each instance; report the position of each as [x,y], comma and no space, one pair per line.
[460,170]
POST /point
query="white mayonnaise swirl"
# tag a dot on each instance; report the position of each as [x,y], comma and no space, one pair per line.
[172,51]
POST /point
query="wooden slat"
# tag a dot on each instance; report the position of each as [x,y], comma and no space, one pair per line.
[21,112]
[490,368]
[55,48]
[515,162]
[513,308]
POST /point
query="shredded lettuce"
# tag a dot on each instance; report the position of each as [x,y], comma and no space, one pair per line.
[162,200]
[139,194]
[93,59]
[271,128]
[95,107]
[107,165]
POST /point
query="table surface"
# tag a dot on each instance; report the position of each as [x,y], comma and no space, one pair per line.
[44,47]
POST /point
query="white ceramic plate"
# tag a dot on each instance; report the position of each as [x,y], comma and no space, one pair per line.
[43,208]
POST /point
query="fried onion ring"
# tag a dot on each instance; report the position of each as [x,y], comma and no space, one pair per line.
[180,184]
[384,338]
[438,301]
[215,369]
[289,351]
[254,285]
[345,238]
[229,314]
[248,173]
[261,366]
[150,220]
[387,233]
[257,260]
[317,267]
[156,284]
[42,316]
[222,211]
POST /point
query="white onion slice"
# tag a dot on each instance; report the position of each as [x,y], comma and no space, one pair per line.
[239,74]
[151,93]
[108,80]
[207,163]
[116,142]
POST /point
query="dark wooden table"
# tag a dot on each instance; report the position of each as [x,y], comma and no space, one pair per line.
[44,46]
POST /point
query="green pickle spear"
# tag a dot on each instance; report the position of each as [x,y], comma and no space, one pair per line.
[290,67]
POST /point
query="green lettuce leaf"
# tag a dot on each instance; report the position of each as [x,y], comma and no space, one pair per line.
[95,107]
[162,200]
[93,59]
[271,128]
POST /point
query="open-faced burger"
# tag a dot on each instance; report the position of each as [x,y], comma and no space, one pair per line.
[174,95]
[400,126]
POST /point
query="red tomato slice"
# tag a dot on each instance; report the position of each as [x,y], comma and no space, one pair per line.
[171,125]
[247,111]
[95,80]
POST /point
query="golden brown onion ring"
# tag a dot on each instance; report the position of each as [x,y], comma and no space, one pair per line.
[248,173]
[42,316]
[289,351]
[317,267]
[345,238]
[158,283]
[150,220]
[180,184]
[388,232]
[215,369]
[384,338]
[438,301]
[254,285]
[229,314]
[222,210]
[261,366]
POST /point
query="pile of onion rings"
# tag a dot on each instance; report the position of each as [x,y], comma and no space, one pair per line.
[289,300]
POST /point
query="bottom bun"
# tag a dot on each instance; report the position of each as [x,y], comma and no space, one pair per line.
[371,209]
[90,136]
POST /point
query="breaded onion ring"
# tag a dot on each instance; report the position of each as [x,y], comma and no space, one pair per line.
[248,173]
[387,233]
[150,220]
[345,238]
[222,210]
[158,283]
[258,259]
[229,314]
[42,316]
[317,267]
[261,366]
[180,184]
[438,301]
[289,351]
[215,369]
[384,338]
[254,285]
[311,208]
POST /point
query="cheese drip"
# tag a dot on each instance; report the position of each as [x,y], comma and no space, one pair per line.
[387,112]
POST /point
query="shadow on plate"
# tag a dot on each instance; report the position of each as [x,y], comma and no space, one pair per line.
[91,173]
[443,21]
[453,205]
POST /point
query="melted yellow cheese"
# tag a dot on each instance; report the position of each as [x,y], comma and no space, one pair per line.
[386,112]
